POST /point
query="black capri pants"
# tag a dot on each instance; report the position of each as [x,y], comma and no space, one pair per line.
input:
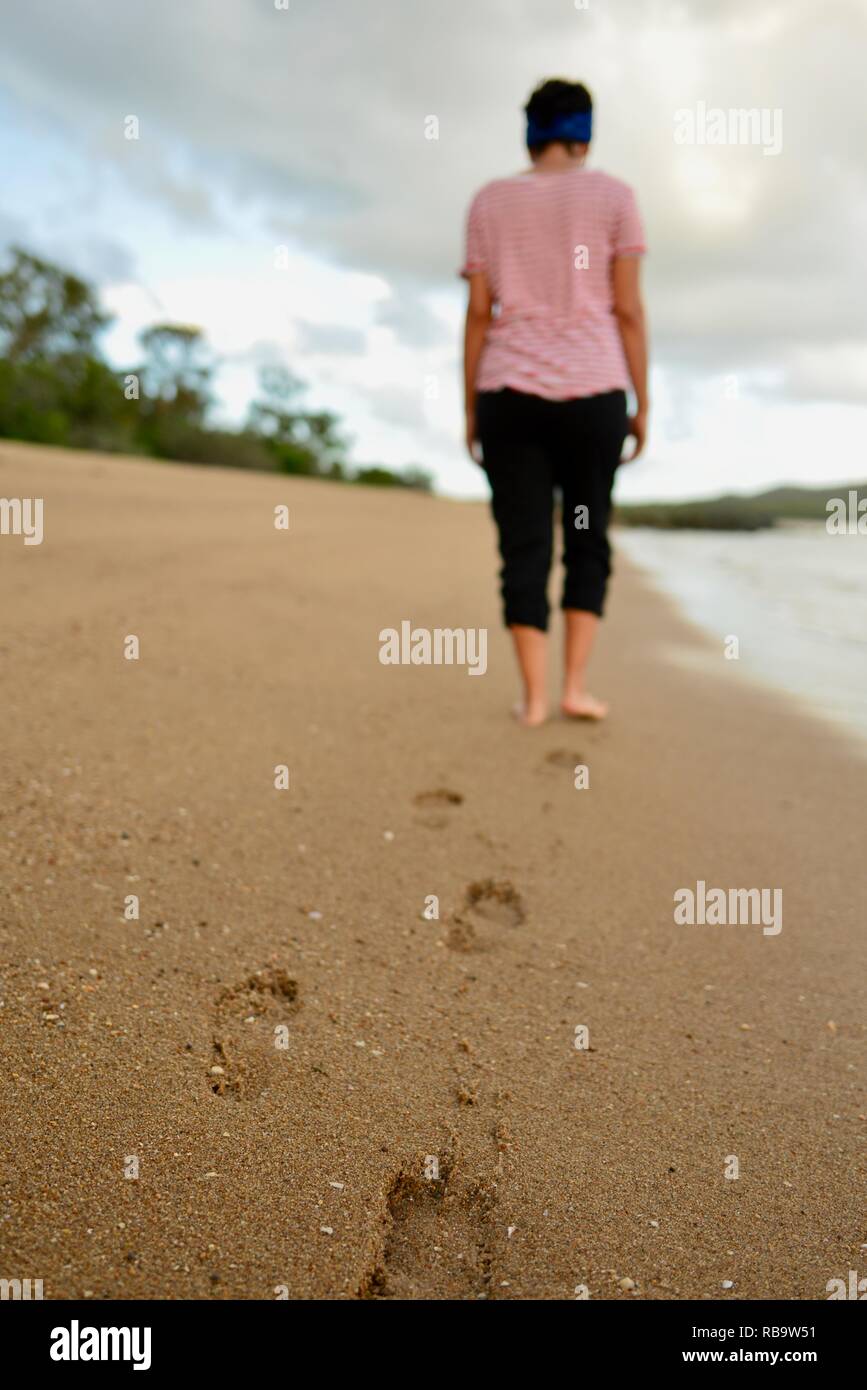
[532,446]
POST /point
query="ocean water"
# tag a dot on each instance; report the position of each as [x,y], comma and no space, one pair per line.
[795,597]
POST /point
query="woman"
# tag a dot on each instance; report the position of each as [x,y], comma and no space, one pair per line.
[554,336]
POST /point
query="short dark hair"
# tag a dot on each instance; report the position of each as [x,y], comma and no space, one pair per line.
[556,97]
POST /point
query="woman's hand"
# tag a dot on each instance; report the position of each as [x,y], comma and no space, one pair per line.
[472,437]
[636,427]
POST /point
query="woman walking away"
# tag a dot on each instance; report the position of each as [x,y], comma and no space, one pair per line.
[555,335]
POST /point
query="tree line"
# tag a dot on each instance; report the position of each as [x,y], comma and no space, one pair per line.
[57,388]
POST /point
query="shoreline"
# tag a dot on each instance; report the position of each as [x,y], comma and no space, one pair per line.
[408,1038]
[700,606]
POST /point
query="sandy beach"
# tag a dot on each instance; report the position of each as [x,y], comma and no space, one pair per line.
[283,1042]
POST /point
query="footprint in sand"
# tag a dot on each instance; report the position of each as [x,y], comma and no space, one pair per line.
[438,1241]
[561,757]
[437,806]
[246,1016]
[486,905]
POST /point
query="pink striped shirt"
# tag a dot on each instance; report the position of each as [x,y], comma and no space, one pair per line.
[545,243]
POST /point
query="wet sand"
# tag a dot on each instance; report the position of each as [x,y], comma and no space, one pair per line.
[412,1046]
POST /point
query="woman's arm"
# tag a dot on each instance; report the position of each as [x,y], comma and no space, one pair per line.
[629,312]
[479,308]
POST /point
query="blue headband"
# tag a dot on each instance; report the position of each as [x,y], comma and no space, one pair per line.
[576,126]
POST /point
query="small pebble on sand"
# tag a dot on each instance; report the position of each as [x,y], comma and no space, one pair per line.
[728,1283]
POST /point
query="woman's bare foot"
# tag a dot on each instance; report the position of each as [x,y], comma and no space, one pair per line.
[583,707]
[530,715]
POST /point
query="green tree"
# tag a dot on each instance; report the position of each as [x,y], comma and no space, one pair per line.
[306,442]
[54,388]
[177,370]
[46,312]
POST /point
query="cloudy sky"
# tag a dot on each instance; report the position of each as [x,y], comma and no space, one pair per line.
[284,196]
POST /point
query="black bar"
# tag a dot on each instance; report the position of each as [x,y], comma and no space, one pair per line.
[220,1337]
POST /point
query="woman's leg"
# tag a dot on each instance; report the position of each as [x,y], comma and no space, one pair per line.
[519,473]
[531,650]
[595,429]
[580,633]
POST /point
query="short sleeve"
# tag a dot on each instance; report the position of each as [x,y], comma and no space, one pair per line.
[475,248]
[628,239]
